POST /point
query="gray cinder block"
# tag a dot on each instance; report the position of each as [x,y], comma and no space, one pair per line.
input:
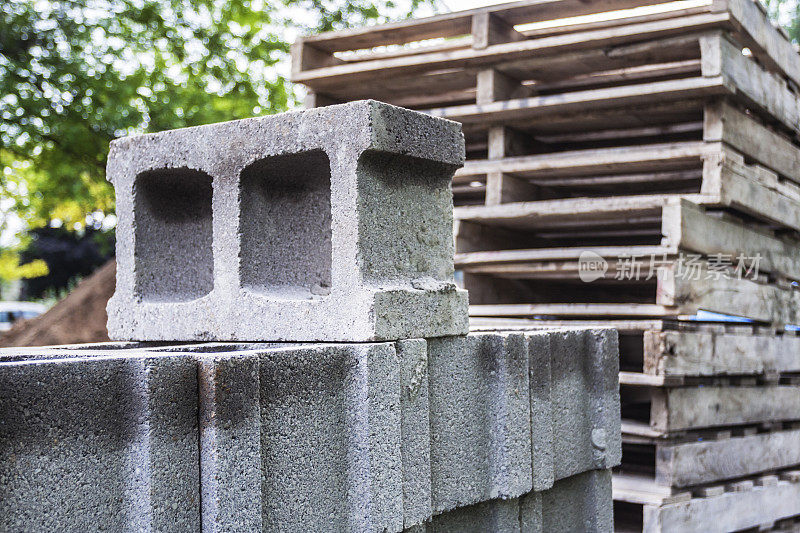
[585,396]
[497,516]
[575,409]
[331,224]
[230,443]
[479,419]
[108,442]
[284,437]
[542,413]
[330,438]
[415,425]
[289,437]
[579,503]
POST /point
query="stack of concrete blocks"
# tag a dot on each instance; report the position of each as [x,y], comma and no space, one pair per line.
[330,228]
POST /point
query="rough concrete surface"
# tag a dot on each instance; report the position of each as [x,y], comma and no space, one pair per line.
[105,442]
[575,504]
[584,399]
[331,224]
[285,437]
[479,418]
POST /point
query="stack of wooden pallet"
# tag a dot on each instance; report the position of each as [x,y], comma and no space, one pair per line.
[641,169]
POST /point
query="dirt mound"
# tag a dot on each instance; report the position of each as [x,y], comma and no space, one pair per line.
[80,317]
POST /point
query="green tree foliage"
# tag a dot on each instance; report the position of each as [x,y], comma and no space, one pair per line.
[787,14]
[74,74]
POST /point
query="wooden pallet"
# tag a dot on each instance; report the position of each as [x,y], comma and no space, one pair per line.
[661,133]
[552,94]
[489,39]
[711,351]
[715,176]
[734,143]
[662,257]
[761,501]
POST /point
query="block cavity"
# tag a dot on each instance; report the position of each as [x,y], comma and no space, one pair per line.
[173,235]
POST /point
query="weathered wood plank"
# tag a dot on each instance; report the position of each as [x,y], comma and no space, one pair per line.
[731,511]
[586,23]
[576,310]
[712,406]
[493,86]
[592,162]
[638,379]
[727,295]
[684,229]
[503,188]
[549,214]
[760,87]
[677,294]
[459,22]
[707,461]
[464,261]
[579,101]
[757,32]
[349,73]
[748,188]
[687,227]
[637,488]
[727,182]
[710,353]
[490,28]
[626,58]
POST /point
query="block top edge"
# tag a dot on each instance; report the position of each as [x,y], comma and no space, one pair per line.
[390,128]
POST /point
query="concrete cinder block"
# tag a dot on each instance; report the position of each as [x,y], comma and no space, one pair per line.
[585,396]
[479,419]
[289,437]
[108,442]
[542,413]
[332,224]
[415,426]
[501,516]
[330,437]
[230,443]
[579,503]
[359,437]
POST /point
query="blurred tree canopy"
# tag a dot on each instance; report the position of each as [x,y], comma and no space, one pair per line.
[75,74]
[787,14]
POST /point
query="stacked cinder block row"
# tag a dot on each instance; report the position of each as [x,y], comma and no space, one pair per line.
[654,136]
[500,431]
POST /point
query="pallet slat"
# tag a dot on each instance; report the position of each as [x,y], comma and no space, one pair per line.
[695,463]
[681,409]
[460,22]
